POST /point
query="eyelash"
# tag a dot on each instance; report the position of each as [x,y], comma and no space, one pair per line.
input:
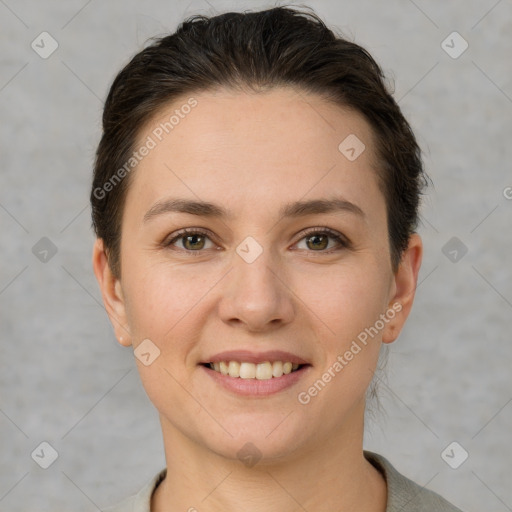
[340,239]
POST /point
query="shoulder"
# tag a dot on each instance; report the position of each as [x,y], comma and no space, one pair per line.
[404,495]
[140,502]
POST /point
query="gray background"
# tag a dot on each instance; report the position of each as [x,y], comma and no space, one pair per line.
[63,377]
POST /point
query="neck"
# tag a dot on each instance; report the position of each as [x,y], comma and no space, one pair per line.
[328,475]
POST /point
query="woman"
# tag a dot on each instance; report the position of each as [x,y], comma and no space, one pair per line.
[255,201]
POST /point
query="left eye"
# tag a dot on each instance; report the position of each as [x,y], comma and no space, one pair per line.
[319,240]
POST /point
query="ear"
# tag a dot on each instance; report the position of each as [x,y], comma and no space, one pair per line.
[111,292]
[404,288]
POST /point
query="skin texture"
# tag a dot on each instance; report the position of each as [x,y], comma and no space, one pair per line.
[252,153]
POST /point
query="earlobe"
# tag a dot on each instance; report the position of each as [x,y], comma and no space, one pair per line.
[111,292]
[404,288]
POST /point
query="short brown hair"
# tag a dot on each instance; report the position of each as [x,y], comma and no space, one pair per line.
[260,50]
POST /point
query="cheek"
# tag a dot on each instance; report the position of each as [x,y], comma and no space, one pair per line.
[162,299]
[348,304]
[345,299]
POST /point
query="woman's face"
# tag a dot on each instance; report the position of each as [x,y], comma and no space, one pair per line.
[255,282]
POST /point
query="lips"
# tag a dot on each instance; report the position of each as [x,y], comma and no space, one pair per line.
[247,365]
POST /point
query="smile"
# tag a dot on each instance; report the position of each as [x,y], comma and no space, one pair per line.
[259,371]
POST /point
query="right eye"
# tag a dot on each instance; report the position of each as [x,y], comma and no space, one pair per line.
[192,239]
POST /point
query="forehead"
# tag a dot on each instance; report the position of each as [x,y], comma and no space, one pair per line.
[278,145]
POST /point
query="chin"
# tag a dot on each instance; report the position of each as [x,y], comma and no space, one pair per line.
[262,437]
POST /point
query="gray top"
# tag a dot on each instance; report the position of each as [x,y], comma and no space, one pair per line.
[403,494]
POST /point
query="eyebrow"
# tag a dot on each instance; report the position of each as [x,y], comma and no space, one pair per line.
[293,209]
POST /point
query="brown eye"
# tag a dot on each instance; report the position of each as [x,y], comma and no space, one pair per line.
[190,240]
[317,241]
[193,242]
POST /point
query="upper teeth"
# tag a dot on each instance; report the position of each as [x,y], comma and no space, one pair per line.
[260,371]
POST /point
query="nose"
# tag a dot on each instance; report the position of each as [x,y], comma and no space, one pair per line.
[256,295]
